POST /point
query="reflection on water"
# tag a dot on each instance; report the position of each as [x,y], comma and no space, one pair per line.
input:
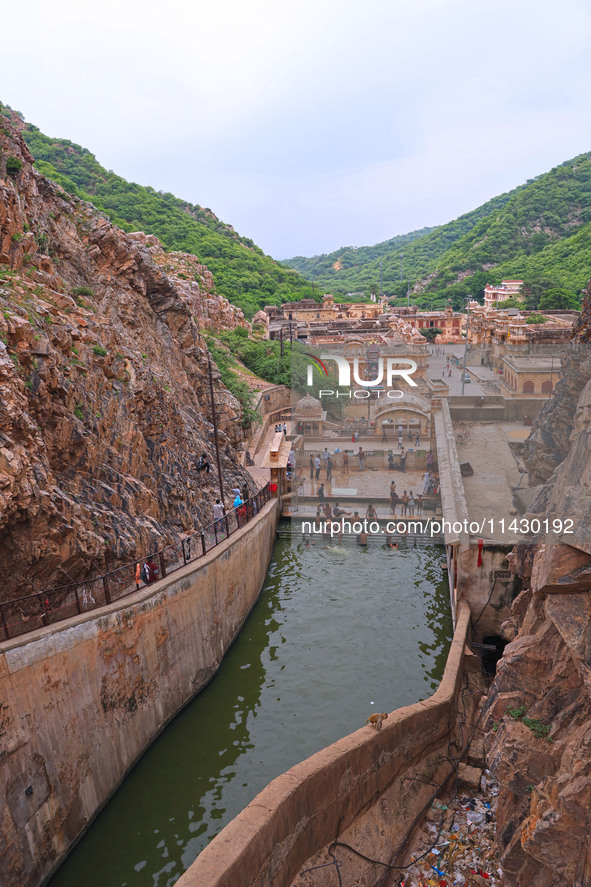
[338,632]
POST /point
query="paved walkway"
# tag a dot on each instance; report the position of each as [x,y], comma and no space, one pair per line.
[437,369]
[261,476]
[355,484]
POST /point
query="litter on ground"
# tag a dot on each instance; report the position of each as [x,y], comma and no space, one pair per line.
[456,845]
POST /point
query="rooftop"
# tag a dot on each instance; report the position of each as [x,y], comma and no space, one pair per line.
[489,491]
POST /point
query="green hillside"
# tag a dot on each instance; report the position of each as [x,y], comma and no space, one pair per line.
[540,232]
[351,258]
[242,272]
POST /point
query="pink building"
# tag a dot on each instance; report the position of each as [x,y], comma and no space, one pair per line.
[506,290]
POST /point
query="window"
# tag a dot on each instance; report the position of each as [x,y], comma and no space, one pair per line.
[528,388]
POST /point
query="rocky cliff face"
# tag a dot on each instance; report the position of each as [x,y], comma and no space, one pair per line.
[104,400]
[538,712]
[549,442]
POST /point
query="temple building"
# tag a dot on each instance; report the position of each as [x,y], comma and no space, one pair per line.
[309,417]
[529,376]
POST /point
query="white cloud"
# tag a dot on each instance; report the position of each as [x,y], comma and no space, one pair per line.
[308,124]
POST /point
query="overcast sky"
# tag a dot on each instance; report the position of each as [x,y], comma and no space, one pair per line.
[313,124]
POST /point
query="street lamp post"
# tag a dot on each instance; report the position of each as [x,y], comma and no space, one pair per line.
[215,432]
[466,344]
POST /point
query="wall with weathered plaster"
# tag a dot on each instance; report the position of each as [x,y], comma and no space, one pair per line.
[367,788]
[489,588]
[80,701]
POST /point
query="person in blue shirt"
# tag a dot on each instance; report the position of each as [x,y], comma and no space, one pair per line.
[238,503]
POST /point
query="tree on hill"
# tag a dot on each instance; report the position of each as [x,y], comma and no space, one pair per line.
[510,303]
[558,298]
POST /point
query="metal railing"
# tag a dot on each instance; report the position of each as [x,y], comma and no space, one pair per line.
[25,614]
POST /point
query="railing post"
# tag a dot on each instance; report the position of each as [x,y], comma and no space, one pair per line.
[106,590]
[215,531]
[185,558]
[3,622]
[227,524]
[162,565]
[203,542]
[78,607]
[45,617]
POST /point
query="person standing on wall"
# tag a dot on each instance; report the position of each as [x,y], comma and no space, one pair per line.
[218,515]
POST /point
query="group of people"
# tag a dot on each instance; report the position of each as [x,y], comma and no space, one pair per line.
[324,462]
[401,466]
[146,572]
[417,437]
[319,462]
[281,427]
[239,504]
[408,502]
[410,435]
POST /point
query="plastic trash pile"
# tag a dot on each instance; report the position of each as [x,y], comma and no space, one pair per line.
[457,843]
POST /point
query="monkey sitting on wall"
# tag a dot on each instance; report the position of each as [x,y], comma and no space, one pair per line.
[376,719]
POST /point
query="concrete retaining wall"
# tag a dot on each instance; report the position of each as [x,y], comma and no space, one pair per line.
[495,408]
[367,788]
[489,590]
[80,701]
[270,405]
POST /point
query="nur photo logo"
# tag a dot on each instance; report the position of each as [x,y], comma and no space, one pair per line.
[387,369]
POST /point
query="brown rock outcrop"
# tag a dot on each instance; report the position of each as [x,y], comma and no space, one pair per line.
[549,443]
[538,712]
[104,400]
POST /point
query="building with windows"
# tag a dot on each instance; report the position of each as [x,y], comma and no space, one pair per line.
[532,376]
[508,289]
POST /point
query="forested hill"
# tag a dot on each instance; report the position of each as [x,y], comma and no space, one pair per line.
[540,232]
[418,250]
[242,272]
[351,258]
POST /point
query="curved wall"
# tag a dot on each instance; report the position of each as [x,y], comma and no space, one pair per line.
[81,700]
[367,788]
